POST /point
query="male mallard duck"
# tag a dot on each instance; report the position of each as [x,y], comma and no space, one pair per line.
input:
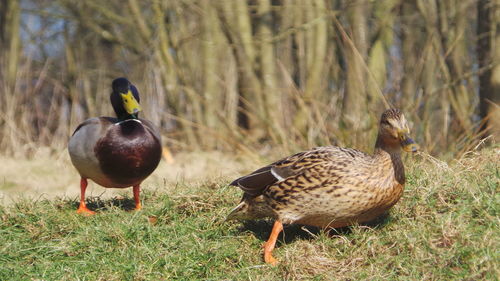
[328,187]
[116,152]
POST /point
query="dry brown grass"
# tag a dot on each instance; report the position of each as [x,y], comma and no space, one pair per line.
[323,73]
[46,176]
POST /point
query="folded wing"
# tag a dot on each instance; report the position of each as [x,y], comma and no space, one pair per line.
[258,181]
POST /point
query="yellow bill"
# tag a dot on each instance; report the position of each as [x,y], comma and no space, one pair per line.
[408,144]
[130,103]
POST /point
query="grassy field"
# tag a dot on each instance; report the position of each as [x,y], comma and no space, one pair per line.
[446,227]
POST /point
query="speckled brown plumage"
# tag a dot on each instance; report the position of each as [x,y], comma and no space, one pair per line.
[330,186]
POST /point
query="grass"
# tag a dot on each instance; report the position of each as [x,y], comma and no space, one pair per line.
[444,228]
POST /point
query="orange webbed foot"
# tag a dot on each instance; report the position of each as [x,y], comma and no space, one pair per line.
[138,207]
[271,242]
[268,257]
[85,211]
[82,209]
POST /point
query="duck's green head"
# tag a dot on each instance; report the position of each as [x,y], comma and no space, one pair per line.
[125,99]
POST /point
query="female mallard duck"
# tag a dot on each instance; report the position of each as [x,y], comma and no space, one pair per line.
[116,152]
[329,187]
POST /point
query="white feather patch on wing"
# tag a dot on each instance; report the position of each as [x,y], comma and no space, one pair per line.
[280,178]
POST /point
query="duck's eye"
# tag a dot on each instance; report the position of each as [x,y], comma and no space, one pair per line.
[385,122]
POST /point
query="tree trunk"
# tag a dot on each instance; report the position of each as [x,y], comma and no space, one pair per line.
[412,45]
[9,58]
[453,43]
[250,101]
[355,92]
[379,52]
[10,41]
[267,63]
[211,93]
[488,51]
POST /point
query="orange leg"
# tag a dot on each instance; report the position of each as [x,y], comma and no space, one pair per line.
[137,191]
[83,208]
[271,242]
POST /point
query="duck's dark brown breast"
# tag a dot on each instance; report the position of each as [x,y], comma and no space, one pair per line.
[128,153]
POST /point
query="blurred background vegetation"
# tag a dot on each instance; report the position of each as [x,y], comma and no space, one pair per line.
[243,76]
